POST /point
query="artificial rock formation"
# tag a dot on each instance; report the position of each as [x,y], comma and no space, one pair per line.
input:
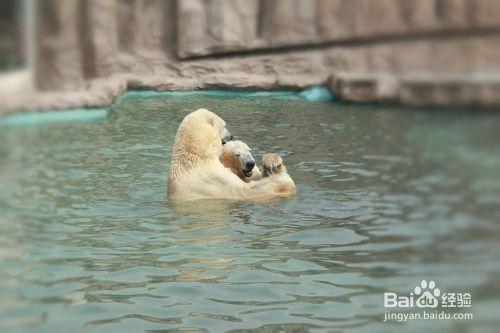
[402,51]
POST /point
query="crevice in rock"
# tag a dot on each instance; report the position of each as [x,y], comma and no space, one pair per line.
[352,42]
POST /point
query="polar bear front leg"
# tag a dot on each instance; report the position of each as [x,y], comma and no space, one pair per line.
[276,182]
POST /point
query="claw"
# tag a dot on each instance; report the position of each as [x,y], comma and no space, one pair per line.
[271,164]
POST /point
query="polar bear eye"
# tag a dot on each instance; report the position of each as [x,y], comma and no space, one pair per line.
[237,155]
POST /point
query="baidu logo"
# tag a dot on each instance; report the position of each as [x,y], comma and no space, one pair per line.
[431,302]
[427,295]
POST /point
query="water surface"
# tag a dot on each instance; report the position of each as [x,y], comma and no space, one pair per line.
[386,197]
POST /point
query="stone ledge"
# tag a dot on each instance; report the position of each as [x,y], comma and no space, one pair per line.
[101,93]
[421,89]
[478,90]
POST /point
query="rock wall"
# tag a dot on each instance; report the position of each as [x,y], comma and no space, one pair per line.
[239,25]
[104,46]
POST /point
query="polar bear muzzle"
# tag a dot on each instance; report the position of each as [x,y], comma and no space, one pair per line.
[248,166]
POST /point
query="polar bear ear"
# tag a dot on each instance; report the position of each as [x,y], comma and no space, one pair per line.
[211,121]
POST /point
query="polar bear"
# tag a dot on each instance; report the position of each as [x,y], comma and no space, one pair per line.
[197,173]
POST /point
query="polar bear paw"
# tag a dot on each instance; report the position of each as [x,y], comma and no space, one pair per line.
[272,164]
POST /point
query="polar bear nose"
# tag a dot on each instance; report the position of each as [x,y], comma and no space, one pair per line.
[249,165]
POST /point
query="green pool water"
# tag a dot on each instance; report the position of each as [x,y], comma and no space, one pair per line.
[386,198]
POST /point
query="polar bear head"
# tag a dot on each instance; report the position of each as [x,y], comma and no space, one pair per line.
[201,135]
[237,156]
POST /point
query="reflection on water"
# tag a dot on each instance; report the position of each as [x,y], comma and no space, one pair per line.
[385,198]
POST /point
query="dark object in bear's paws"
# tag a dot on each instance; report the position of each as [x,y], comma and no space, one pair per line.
[272,164]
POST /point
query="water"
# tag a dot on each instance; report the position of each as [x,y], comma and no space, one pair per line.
[386,198]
